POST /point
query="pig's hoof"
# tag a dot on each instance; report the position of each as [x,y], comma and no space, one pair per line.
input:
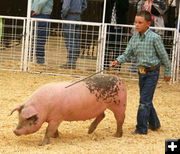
[91,130]
[56,134]
[43,143]
[118,134]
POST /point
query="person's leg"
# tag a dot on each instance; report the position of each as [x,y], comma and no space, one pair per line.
[154,122]
[76,45]
[42,35]
[71,36]
[147,85]
[66,30]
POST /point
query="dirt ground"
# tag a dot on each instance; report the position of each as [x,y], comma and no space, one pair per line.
[16,87]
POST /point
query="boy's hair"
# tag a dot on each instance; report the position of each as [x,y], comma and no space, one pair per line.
[145,14]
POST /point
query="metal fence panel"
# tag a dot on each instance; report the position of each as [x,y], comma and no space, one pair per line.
[117,38]
[95,47]
[12,43]
[58,48]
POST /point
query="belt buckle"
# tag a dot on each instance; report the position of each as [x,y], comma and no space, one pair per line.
[142,70]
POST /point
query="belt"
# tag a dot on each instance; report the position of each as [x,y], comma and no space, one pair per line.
[74,13]
[144,70]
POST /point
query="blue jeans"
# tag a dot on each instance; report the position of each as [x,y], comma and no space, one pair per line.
[147,115]
[71,36]
[42,34]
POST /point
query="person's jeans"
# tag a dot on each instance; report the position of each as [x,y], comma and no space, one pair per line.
[42,34]
[71,36]
[147,115]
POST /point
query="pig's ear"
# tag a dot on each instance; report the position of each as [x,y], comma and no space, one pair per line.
[28,112]
[18,108]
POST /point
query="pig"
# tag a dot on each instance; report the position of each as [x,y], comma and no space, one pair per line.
[56,102]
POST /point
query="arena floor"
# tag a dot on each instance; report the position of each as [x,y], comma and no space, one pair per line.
[15,88]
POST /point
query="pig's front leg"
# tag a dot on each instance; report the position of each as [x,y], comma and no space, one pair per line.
[56,134]
[51,131]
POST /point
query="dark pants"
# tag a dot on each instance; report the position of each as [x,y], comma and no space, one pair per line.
[147,115]
[71,36]
[42,34]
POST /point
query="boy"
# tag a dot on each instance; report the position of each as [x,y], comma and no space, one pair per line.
[147,47]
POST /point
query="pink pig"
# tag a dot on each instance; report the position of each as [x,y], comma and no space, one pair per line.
[85,100]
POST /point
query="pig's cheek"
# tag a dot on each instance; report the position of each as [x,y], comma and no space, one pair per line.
[31,128]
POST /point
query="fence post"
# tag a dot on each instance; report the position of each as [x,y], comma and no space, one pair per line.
[27,35]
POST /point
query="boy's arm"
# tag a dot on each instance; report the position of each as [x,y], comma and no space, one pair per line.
[158,44]
[128,54]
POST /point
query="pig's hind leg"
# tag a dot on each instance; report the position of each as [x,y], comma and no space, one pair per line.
[51,131]
[94,124]
[119,115]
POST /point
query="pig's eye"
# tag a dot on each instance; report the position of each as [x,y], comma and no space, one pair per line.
[31,118]
[34,118]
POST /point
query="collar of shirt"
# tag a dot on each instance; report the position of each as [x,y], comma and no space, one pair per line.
[142,37]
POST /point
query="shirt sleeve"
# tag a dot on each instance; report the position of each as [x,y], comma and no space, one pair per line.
[65,8]
[128,54]
[159,47]
[40,5]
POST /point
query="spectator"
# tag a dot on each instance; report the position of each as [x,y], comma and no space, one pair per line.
[147,47]
[71,10]
[41,9]
[116,14]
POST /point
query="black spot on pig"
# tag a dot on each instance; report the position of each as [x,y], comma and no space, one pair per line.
[105,87]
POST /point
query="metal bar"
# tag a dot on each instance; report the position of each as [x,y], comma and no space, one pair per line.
[104,12]
[27,35]
[23,45]
[178,43]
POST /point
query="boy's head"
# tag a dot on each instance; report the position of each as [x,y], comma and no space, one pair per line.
[142,21]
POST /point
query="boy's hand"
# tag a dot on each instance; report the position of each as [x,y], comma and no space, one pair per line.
[167,79]
[115,64]
[35,13]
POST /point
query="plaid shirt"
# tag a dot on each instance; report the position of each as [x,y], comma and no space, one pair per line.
[148,50]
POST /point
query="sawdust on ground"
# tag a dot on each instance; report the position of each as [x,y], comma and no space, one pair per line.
[16,87]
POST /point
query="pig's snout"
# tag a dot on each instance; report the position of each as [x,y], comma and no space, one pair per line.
[17,133]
